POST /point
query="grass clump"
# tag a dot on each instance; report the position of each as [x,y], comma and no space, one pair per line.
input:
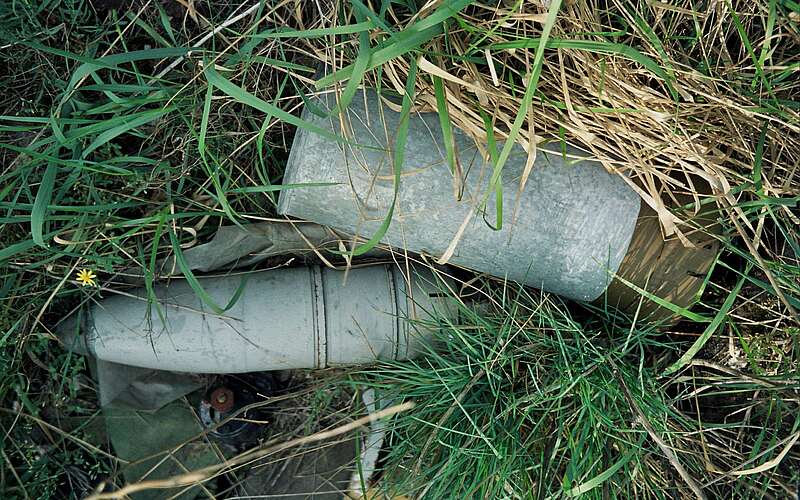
[528,401]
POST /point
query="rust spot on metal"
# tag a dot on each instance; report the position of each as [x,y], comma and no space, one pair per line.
[221,399]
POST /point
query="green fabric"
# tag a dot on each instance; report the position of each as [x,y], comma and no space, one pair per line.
[136,435]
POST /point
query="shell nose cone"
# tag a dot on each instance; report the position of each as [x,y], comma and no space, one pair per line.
[70,333]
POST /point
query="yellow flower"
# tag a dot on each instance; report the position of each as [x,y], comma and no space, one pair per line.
[86,277]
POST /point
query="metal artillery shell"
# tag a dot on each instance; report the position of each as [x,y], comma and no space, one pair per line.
[304,317]
[566,232]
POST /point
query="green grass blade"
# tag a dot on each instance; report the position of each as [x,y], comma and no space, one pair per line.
[403,42]
[491,145]
[399,158]
[277,63]
[589,46]
[660,50]
[359,7]
[262,172]
[524,105]
[16,248]
[192,280]
[57,131]
[600,478]
[712,327]
[249,99]
[348,29]
[212,166]
[682,311]
[359,67]
[126,125]
[151,31]
[759,157]
[148,270]
[764,285]
[406,42]
[748,45]
[113,61]
[43,196]
[165,23]
[280,187]
[201,138]
[444,122]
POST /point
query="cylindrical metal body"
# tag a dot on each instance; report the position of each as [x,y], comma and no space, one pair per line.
[566,231]
[304,317]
